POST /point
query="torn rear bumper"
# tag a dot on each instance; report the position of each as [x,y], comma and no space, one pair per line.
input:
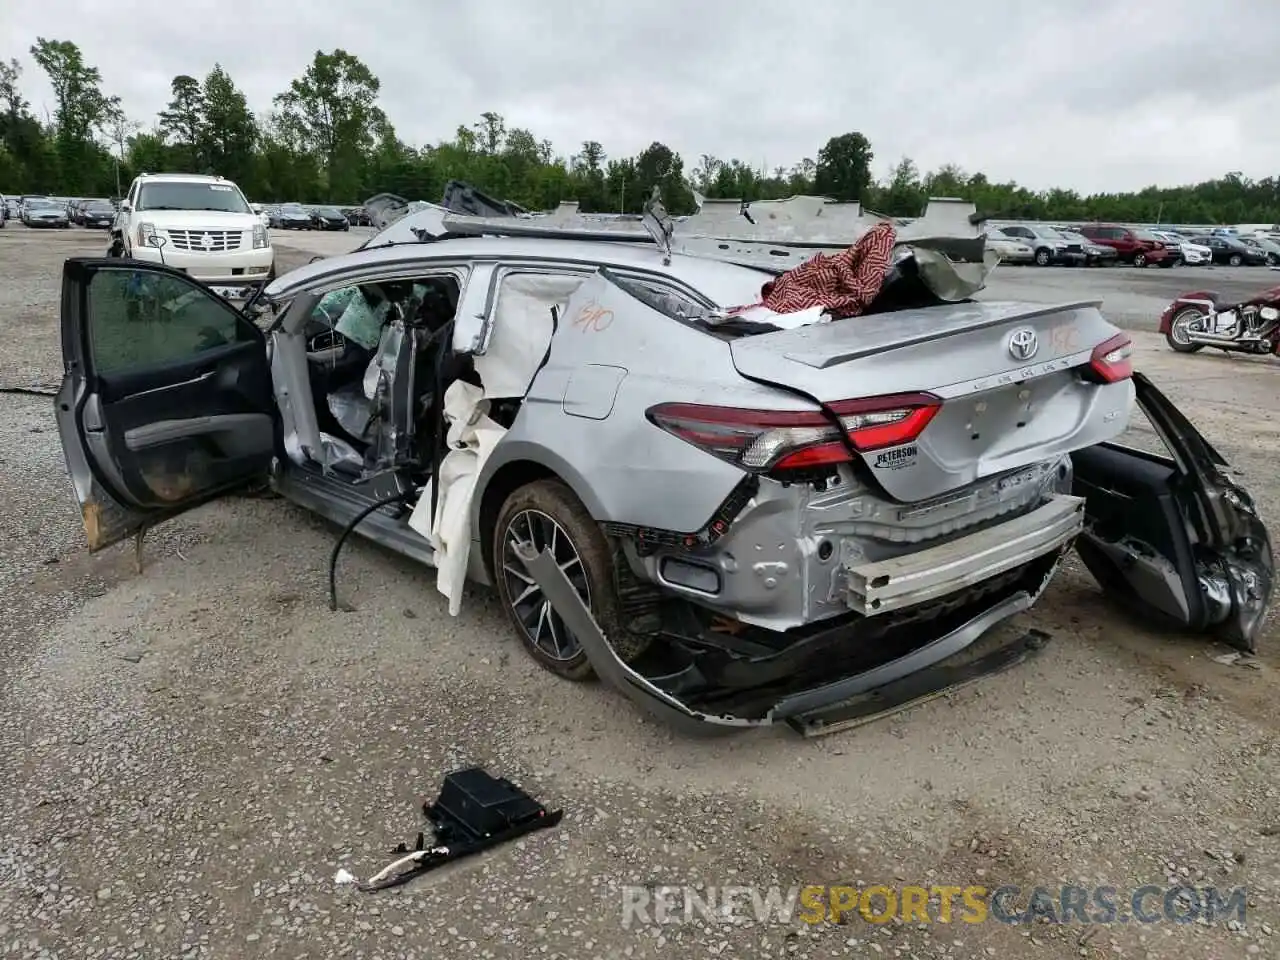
[930,669]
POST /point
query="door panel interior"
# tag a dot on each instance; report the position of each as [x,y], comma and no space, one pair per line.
[167,400]
[1130,501]
[1177,536]
[190,429]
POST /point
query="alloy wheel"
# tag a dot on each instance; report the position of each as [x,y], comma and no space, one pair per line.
[544,627]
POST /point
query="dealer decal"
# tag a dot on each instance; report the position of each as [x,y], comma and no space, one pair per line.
[896,459]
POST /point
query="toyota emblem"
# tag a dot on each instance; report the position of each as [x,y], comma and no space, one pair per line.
[1023,344]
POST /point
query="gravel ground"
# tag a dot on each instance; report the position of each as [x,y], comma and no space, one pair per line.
[193,750]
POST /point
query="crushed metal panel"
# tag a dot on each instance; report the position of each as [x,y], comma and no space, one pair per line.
[803,706]
[608,665]
[949,215]
[919,688]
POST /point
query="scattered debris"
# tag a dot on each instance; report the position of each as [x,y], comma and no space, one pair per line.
[475,811]
[1238,659]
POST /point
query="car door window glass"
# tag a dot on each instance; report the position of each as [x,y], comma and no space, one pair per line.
[139,320]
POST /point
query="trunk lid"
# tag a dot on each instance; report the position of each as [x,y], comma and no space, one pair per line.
[1002,408]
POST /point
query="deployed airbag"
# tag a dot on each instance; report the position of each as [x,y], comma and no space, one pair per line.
[356,320]
[471,439]
[522,329]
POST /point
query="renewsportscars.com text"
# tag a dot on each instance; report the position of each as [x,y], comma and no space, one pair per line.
[816,904]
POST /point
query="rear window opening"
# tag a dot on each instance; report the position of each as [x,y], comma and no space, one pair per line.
[935,273]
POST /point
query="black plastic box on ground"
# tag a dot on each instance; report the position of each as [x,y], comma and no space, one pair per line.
[480,805]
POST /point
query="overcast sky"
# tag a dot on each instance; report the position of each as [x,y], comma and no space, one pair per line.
[1092,94]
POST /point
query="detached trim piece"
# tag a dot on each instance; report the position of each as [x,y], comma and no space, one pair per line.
[919,688]
[804,706]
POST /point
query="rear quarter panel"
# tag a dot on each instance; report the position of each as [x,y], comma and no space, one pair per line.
[623,468]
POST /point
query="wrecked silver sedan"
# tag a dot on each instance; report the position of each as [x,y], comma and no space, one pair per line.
[735,513]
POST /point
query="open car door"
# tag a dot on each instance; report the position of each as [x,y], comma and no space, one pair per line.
[1175,536]
[166,398]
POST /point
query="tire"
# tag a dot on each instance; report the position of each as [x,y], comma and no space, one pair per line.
[1182,346]
[1043,257]
[1235,260]
[533,512]
[116,249]
[1139,259]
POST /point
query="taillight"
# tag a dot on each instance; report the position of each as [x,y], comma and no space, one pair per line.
[1112,360]
[763,441]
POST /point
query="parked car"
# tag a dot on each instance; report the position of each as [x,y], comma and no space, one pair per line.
[13,208]
[1011,250]
[1232,251]
[1268,247]
[1136,247]
[290,216]
[44,212]
[329,218]
[356,216]
[736,524]
[1050,247]
[1188,251]
[98,214]
[199,224]
[1095,254]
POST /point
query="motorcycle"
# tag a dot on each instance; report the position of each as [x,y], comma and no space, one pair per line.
[1201,319]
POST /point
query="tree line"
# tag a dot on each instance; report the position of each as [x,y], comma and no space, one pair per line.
[326,139]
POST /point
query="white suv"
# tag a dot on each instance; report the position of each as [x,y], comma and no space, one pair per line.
[200,225]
